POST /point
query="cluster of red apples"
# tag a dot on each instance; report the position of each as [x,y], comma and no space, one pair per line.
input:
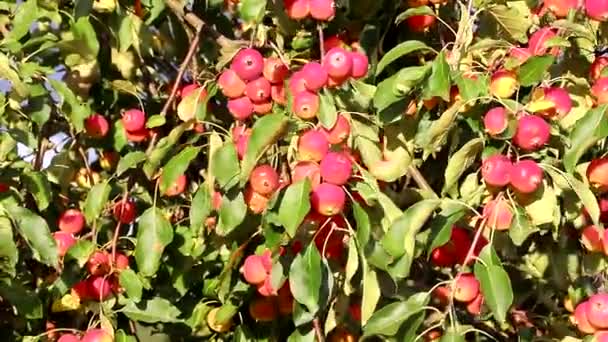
[596,10]
[465,289]
[422,22]
[591,316]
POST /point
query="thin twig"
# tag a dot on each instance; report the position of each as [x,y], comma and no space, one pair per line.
[420,180]
[318,332]
[177,8]
[42,146]
[321,40]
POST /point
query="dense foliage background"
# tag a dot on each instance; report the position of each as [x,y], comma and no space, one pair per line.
[300,170]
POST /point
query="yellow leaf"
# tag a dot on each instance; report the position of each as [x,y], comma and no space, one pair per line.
[68,302]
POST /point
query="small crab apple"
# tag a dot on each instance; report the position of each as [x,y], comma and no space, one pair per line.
[231,85]
[597,174]
[177,187]
[108,160]
[238,130]
[339,132]
[338,63]
[537,44]
[138,136]
[99,263]
[64,241]
[189,89]
[597,310]
[600,90]
[266,289]
[100,287]
[256,202]
[591,237]
[336,168]
[522,54]
[96,126]
[275,71]
[526,176]
[125,212]
[420,23]
[474,306]
[285,299]
[264,179]
[498,213]
[312,145]
[328,199]
[242,143]
[561,103]
[69,338]
[71,221]
[297,9]
[214,324]
[597,10]
[241,108]
[503,83]
[277,93]
[323,10]
[597,67]
[263,309]
[133,120]
[315,76]
[443,256]
[329,240]
[532,133]
[561,7]
[305,105]
[297,83]
[258,90]
[603,203]
[360,64]
[121,261]
[248,64]
[307,169]
[466,288]
[82,290]
[97,335]
[254,269]
[496,121]
[262,108]
[496,170]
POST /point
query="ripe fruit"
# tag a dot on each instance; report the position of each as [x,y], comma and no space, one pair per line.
[338,63]
[591,237]
[277,93]
[285,300]
[360,64]
[256,202]
[262,107]
[189,89]
[598,65]
[496,121]
[597,174]
[71,221]
[264,179]
[121,261]
[138,136]
[474,306]
[258,90]
[97,335]
[323,10]
[329,239]
[466,288]
[314,75]
[336,168]
[255,269]
[99,263]
[305,105]
[266,289]
[600,90]
[521,54]
[532,133]
[241,108]
[68,338]
[231,85]
[503,84]
[328,199]
[526,176]
[297,9]
[339,132]
[496,170]
[133,120]
[297,83]
[312,146]
[99,287]
[177,187]
[96,126]
[443,256]
[561,7]
[64,241]
[125,212]
[597,10]
[560,98]
[220,327]
[597,310]
[537,44]
[420,23]
[307,169]
[248,64]
[498,214]
[108,160]
[274,70]
[242,143]
[263,309]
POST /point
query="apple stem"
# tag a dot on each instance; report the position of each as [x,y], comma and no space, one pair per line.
[421,181]
[318,332]
[321,40]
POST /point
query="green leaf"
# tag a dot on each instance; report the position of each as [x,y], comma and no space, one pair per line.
[452,336]
[414,11]
[119,136]
[6,72]
[521,227]
[470,89]
[121,336]
[201,208]
[310,280]
[388,320]
[96,200]
[395,88]
[232,213]
[152,311]
[371,293]
[129,161]
[252,11]
[541,207]
[399,239]
[225,166]
[587,131]
[566,180]
[266,130]
[294,206]
[82,8]
[9,255]
[496,289]
[38,185]
[534,69]
[512,21]
[154,233]
[35,230]
[438,84]
[460,161]
[400,50]
[80,252]
[328,113]
[78,111]
[25,16]
[441,226]
[155,121]
[26,302]
[132,284]
[434,137]
[177,166]
[362,221]
[86,33]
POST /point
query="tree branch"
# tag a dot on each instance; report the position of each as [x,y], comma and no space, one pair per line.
[178,9]
[420,180]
